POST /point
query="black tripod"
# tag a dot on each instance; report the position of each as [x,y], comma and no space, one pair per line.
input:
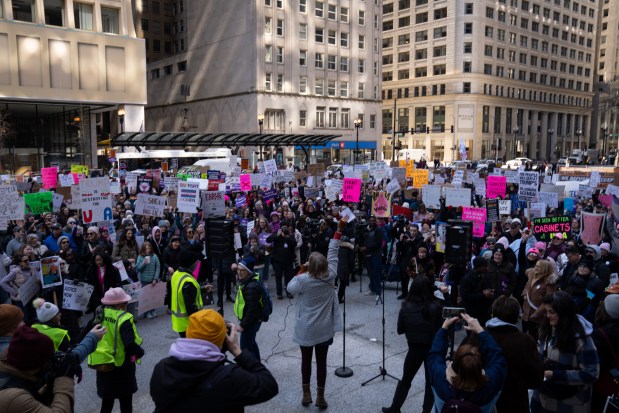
[383,370]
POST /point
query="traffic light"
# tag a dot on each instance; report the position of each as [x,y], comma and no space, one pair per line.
[452,129]
[427,130]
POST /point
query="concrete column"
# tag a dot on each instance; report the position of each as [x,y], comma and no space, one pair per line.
[543,146]
[553,123]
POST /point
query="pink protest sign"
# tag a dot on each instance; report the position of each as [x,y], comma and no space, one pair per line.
[478,216]
[49,176]
[606,200]
[495,187]
[76,177]
[592,228]
[351,190]
[245,181]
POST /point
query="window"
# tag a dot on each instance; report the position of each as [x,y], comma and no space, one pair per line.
[344,64]
[361,66]
[468,47]
[468,8]
[280,83]
[488,50]
[302,31]
[439,70]
[388,8]
[331,62]
[440,13]
[467,67]
[489,32]
[388,25]
[267,3]
[318,61]
[331,11]
[490,12]
[440,51]
[154,74]
[468,28]
[403,74]
[344,14]
[361,18]
[404,21]
[421,18]
[267,82]
[372,121]
[280,55]
[302,6]
[387,76]
[404,39]
[181,66]
[303,58]
[268,53]
[421,54]
[387,42]
[361,42]
[440,32]
[303,84]
[167,70]
[331,37]
[83,16]
[319,10]
[421,36]
[319,36]
[501,16]
[404,4]
[303,118]
[320,116]
[319,88]
[268,24]
[466,87]
[360,90]
[333,115]
[280,27]
[403,57]
[109,20]
[421,71]
[487,69]
[343,93]
[344,39]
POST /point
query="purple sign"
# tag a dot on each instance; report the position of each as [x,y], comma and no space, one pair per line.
[270,194]
[212,174]
[262,238]
[240,201]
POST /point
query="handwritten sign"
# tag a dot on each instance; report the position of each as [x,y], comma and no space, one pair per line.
[392,186]
[270,167]
[399,174]
[66,180]
[505,206]
[188,196]
[456,197]
[545,228]
[458,178]
[592,228]
[420,178]
[478,217]
[213,204]
[38,203]
[410,167]
[492,210]
[150,205]
[49,176]
[351,190]
[151,297]
[316,169]
[495,187]
[96,200]
[29,289]
[527,185]
[76,295]
[381,204]
[549,198]
[512,176]
[79,169]
[122,270]
[431,195]
[133,291]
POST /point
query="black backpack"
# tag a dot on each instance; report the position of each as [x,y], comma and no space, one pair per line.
[266,304]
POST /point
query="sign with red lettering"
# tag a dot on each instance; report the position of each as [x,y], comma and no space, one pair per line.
[545,228]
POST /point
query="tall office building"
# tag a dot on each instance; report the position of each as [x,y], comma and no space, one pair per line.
[161,23]
[67,70]
[512,74]
[303,66]
[606,117]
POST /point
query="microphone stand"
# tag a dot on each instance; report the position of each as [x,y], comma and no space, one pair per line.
[383,370]
[344,371]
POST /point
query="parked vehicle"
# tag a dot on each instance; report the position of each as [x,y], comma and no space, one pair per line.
[516,163]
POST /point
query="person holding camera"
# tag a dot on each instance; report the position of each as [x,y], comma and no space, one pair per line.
[116,355]
[283,255]
[31,365]
[195,375]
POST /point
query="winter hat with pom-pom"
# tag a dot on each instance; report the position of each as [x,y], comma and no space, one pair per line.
[45,310]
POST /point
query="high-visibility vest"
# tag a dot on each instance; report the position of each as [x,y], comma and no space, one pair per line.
[110,349]
[239,303]
[180,317]
[56,334]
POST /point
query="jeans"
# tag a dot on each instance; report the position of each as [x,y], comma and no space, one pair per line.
[248,339]
[372,263]
[265,271]
[284,270]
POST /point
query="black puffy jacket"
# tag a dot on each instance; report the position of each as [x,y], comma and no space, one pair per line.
[419,329]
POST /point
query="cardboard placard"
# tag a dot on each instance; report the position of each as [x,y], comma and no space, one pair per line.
[150,205]
[527,185]
[492,210]
[76,295]
[351,190]
[545,228]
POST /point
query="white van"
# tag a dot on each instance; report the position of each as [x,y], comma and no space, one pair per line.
[217,159]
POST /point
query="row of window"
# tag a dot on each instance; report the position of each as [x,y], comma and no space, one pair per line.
[328,118]
[330,11]
[179,45]
[319,89]
[169,8]
[168,69]
[319,60]
[534,95]
[524,22]
[420,121]
[406,4]
[154,26]
[543,62]
[431,90]
[319,34]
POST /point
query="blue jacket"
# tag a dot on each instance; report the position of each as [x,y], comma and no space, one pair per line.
[52,243]
[494,365]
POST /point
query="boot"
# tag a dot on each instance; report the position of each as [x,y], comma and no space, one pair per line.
[307,395]
[401,392]
[320,398]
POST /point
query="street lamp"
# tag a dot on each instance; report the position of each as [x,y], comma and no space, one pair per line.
[578,134]
[549,143]
[358,123]
[260,121]
[604,138]
[514,145]
[121,118]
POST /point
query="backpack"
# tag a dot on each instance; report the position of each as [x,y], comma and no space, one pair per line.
[460,406]
[607,385]
[265,299]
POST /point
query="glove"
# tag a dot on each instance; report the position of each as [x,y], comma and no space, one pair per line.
[69,367]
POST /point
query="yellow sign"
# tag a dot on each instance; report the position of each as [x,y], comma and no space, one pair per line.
[402,163]
[79,169]
[420,178]
[410,167]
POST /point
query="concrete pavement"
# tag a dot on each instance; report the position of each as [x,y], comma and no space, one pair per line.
[283,358]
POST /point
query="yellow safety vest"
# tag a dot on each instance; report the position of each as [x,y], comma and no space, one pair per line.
[180,318]
[110,349]
[56,334]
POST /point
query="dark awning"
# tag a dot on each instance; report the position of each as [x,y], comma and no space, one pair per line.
[229,140]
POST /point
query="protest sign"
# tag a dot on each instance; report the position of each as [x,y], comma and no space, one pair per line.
[79,169]
[122,270]
[76,295]
[478,217]
[11,204]
[456,197]
[538,210]
[272,193]
[347,213]
[431,195]
[115,187]
[38,203]
[188,196]
[592,227]
[512,176]
[250,226]
[527,185]
[558,189]
[270,167]
[381,204]
[245,181]
[399,174]
[549,198]
[49,177]
[581,173]
[458,178]
[398,210]
[545,228]
[393,186]
[57,201]
[96,200]
[441,236]
[605,200]
[420,178]
[585,191]
[49,271]
[76,199]
[351,190]
[171,183]
[213,204]
[150,205]
[240,201]
[495,187]
[410,167]
[29,289]
[316,169]
[151,297]
[492,210]
[133,291]
[568,204]
[267,182]
[595,179]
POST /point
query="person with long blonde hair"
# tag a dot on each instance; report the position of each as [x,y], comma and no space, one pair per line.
[542,280]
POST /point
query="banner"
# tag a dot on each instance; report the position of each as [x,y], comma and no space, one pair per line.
[456,197]
[592,228]
[188,196]
[420,178]
[527,185]
[581,173]
[351,190]
[150,205]
[495,187]
[492,210]
[49,177]
[381,204]
[407,212]
[96,200]
[431,195]
[76,295]
[213,204]
[478,217]
[151,297]
[545,228]
[38,203]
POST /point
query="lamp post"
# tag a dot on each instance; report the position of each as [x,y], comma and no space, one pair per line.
[358,123]
[549,143]
[578,134]
[121,118]
[514,145]
[604,138]
[260,123]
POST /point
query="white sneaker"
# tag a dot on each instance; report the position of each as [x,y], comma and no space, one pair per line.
[368,293]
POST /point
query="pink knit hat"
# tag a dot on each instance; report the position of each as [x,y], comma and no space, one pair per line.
[605,246]
[540,245]
[115,296]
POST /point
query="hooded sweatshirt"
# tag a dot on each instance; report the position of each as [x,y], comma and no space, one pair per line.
[195,376]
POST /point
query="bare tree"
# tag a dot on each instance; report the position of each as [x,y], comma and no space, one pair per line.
[6,128]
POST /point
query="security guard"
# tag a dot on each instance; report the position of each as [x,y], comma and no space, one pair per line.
[186,298]
[48,315]
[118,351]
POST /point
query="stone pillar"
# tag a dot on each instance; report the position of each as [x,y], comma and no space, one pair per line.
[553,123]
[543,146]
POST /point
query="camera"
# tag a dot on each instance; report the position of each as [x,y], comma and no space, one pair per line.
[449,312]
[285,232]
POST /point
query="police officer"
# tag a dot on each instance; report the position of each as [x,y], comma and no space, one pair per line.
[116,354]
[186,298]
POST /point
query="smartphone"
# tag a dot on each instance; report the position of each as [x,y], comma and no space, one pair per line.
[449,312]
